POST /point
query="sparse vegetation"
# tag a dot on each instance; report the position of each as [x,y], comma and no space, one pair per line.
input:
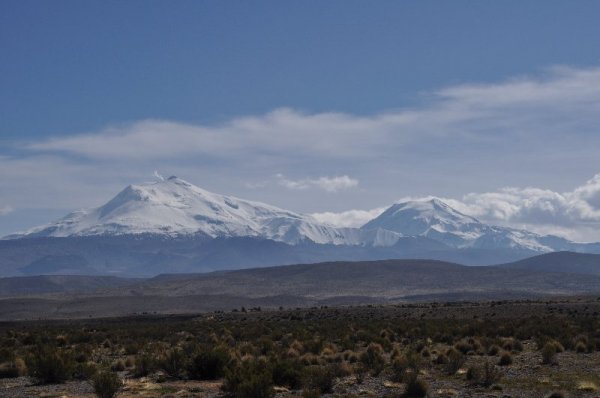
[308,352]
[416,388]
[106,384]
[249,379]
[50,364]
[483,375]
[456,360]
[209,365]
[505,359]
[549,352]
[372,359]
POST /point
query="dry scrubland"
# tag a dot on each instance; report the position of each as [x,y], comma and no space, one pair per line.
[492,349]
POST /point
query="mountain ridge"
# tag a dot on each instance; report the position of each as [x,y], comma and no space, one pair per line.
[174,207]
[171,225]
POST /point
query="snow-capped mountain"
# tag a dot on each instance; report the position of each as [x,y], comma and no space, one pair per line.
[175,207]
[173,226]
[436,220]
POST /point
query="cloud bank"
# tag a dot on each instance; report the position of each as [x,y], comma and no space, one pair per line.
[529,131]
[329,184]
[349,218]
[574,214]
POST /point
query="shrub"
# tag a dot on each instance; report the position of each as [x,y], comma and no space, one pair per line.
[580,347]
[118,366]
[9,370]
[311,393]
[318,377]
[416,388]
[404,367]
[173,363]
[557,394]
[342,369]
[84,371]
[517,345]
[464,347]
[505,359]
[287,372]
[249,379]
[50,365]
[373,359]
[485,375]
[441,359]
[549,354]
[360,374]
[106,384]
[493,350]
[455,361]
[144,365]
[474,373]
[209,365]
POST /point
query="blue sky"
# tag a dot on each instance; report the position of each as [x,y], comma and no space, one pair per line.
[314,106]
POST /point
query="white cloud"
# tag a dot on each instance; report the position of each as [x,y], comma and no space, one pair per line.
[529,131]
[574,214]
[329,184]
[564,103]
[4,210]
[349,218]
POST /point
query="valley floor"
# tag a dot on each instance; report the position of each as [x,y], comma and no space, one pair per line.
[488,349]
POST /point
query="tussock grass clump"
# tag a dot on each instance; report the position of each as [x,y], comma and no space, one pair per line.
[484,375]
[505,359]
[85,371]
[441,359]
[456,360]
[405,367]
[580,347]
[49,364]
[311,393]
[209,365]
[288,373]
[12,369]
[106,384]
[493,350]
[144,365]
[174,363]
[249,379]
[118,366]
[549,352]
[319,377]
[373,359]
[416,388]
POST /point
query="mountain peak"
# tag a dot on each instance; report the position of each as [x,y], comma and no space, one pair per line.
[174,207]
[423,217]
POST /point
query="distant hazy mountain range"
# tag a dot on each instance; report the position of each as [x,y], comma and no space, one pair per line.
[331,283]
[174,226]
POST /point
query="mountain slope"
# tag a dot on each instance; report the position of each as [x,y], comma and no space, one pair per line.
[173,226]
[567,262]
[436,220]
[174,207]
[53,284]
[386,279]
[389,279]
